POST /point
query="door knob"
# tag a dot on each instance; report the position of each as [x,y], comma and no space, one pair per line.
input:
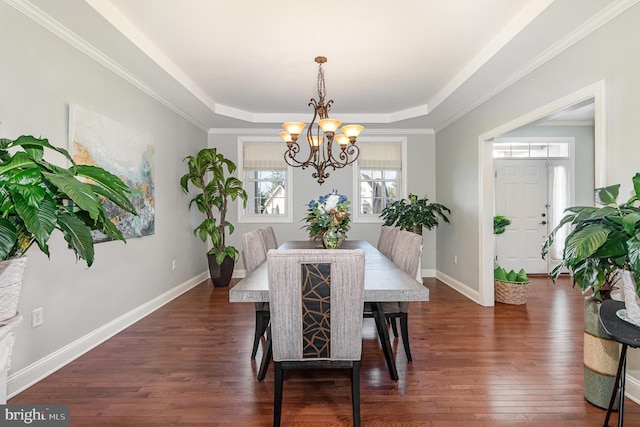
[543,214]
[544,223]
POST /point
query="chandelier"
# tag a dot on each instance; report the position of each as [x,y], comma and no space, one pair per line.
[321,156]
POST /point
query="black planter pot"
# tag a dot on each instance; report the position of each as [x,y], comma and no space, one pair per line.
[220,273]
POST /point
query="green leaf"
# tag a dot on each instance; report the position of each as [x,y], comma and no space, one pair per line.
[20,160]
[39,220]
[34,146]
[636,185]
[630,221]
[511,276]
[8,235]
[80,193]
[78,236]
[109,185]
[584,243]
[588,275]
[500,274]
[607,195]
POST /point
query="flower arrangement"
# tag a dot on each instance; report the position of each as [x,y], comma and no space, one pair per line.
[330,211]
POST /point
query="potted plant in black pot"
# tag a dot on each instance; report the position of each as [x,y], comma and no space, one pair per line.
[602,247]
[207,174]
[37,197]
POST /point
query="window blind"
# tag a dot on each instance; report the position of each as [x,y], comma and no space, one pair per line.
[264,156]
[381,156]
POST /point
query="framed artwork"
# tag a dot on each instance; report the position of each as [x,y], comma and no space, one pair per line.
[125,152]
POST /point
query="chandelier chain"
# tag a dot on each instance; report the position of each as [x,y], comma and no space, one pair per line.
[322,90]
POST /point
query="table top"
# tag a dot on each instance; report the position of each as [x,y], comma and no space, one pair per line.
[383,280]
[618,329]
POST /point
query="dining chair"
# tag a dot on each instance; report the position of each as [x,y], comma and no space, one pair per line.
[269,238]
[316,298]
[254,253]
[387,239]
[406,254]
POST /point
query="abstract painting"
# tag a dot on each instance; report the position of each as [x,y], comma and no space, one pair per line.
[125,152]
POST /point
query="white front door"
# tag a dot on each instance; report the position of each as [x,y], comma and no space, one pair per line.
[521,196]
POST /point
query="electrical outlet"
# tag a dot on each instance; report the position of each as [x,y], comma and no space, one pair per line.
[455,259]
[173,265]
[36,317]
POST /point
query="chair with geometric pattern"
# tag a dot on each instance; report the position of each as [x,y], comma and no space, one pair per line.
[316,298]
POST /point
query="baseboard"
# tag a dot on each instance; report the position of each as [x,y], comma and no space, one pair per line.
[428,273]
[26,377]
[632,388]
[465,290]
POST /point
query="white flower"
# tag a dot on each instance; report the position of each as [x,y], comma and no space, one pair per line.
[331,202]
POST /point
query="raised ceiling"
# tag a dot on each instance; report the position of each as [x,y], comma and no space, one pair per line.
[250,63]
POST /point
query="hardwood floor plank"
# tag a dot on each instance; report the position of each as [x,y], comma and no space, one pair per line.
[188,364]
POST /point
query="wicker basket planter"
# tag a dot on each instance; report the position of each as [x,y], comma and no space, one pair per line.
[511,292]
[11,272]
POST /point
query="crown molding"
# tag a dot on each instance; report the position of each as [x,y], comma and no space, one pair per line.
[46,21]
[268,132]
[569,40]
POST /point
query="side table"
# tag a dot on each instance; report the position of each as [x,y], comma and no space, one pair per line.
[626,334]
[7,338]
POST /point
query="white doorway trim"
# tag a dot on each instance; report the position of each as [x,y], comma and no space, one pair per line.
[486,189]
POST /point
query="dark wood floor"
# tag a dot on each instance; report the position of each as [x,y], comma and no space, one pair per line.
[188,364]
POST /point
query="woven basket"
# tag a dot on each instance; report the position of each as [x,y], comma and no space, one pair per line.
[11,272]
[511,292]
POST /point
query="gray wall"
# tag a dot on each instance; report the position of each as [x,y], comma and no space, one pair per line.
[610,53]
[40,75]
[420,175]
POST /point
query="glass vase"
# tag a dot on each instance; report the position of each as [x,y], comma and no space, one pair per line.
[332,239]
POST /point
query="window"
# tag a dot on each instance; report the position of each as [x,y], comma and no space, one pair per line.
[266,180]
[379,178]
[528,148]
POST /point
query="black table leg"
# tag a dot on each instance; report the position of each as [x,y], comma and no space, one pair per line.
[618,386]
[383,333]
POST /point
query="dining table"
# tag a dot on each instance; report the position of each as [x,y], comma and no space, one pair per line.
[383,281]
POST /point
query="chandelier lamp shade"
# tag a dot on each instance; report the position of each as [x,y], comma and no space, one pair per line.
[322,152]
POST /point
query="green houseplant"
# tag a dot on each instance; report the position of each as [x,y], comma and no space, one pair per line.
[207,174]
[603,241]
[414,214]
[37,197]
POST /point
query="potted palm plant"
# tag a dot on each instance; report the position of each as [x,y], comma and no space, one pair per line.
[414,214]
[207,174]
[37,197]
